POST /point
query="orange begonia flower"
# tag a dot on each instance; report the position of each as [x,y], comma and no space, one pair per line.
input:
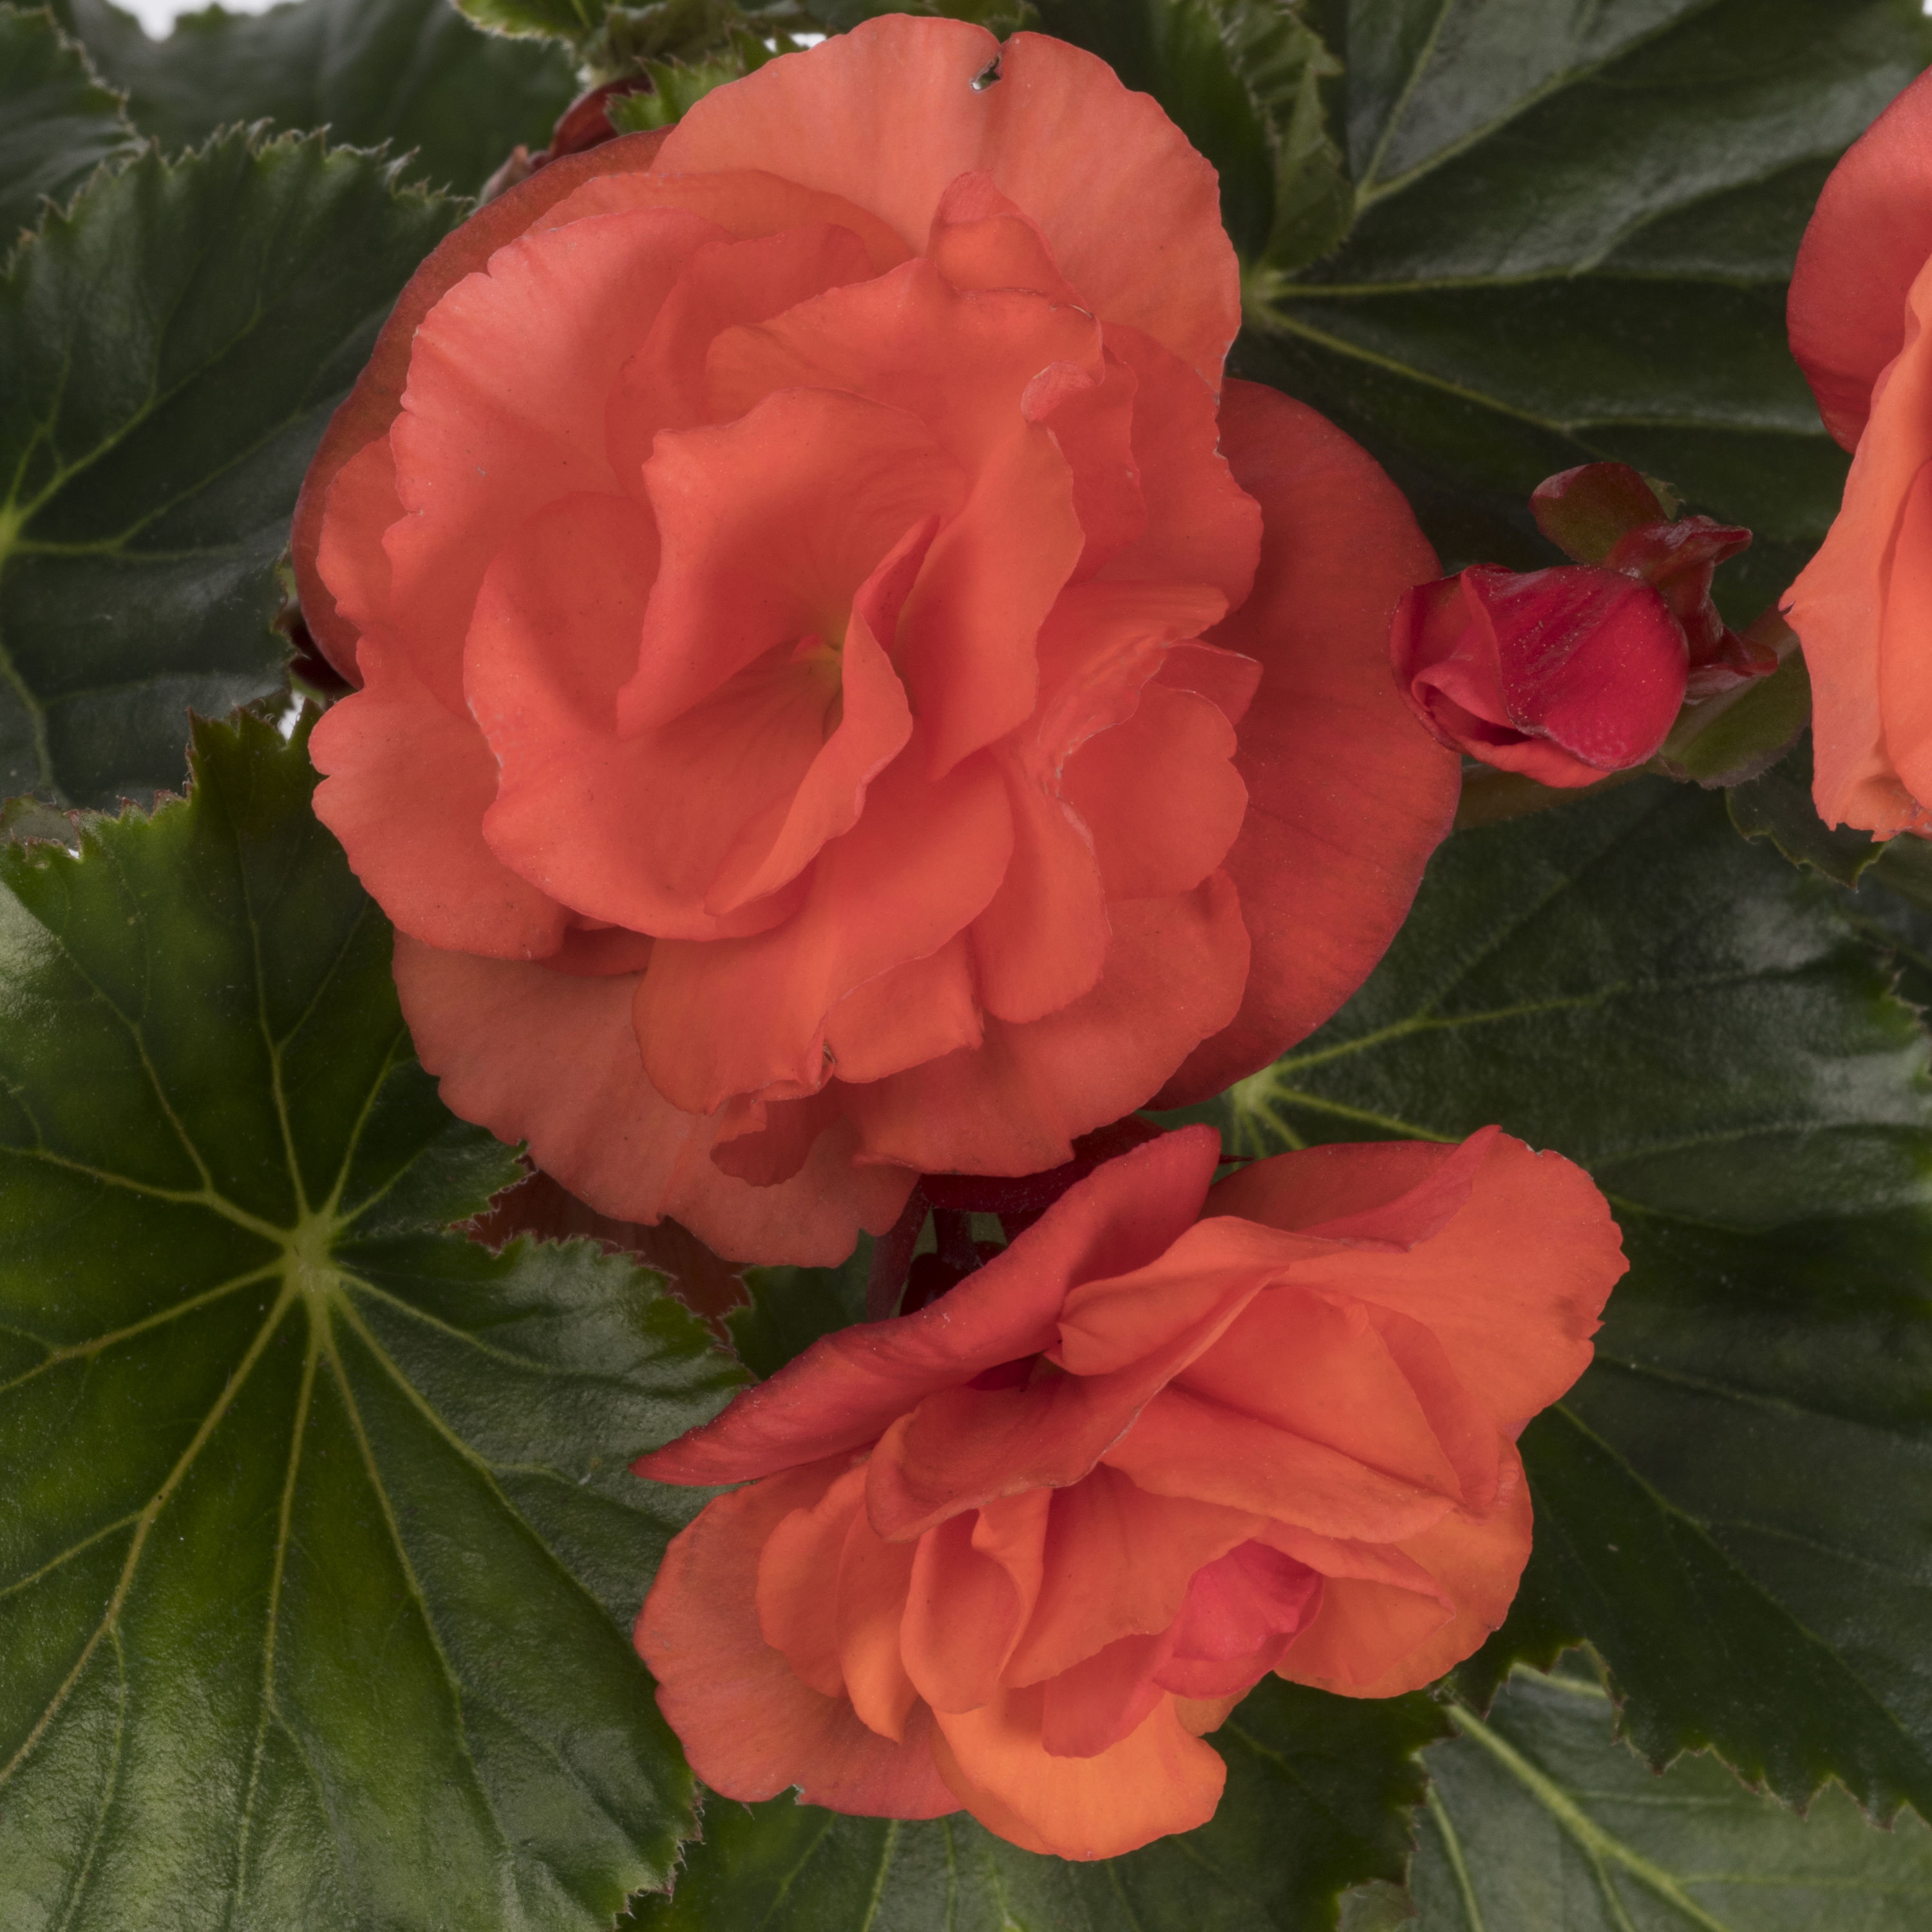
[1861,299]
[1018,1551]
[845,690]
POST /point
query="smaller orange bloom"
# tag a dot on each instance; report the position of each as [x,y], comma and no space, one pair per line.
[1018,1552]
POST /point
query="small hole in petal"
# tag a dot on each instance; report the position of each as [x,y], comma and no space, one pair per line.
[981,82]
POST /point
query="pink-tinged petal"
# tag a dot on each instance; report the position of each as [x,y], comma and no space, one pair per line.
[750,1728]
[1174,971]
[1202,525]
[1347,795]
[1869,236]
[918,1012]
[1041,942]
[1097,1702]
[874,1579]
[847,1388]
[365,414]
[980,239]
[1160,795]
[770,526]
[504,412]
[1240,1614]
[349,558]
[633,831]
[495,1032]
[731,1016]
[1856,607]
[888,115]
[1511,1286]
[1158,1779]
[766,1141]
[1185,1445]
[1118,1561]
[797,1614]
[974,1582]
[407,783]
[1375,1639]
[726,285]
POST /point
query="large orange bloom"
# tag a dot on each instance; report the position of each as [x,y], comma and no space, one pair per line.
[839,698]
[1860,301]
[1018,1551]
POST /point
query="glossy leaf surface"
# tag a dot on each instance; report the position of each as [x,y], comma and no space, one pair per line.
[1536,1816]
[1572,230]
[58,123]
[318,1550]
[173,346]
[1731,1504]
[413,73]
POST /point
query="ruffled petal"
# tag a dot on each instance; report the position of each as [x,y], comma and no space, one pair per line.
[1347,795]
[750,1728]
[889,114]
[407,783]
[495,1032]
[921,1011]
[973,1584]
[845,1389]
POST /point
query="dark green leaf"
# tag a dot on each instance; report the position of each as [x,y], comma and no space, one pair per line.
[1573,225]
[790,1308]
[1732,1505]
[413,73]
[1537,1818]
[1777,807]
[317,1548]
[1315,1789]
[57,122]
[173,346]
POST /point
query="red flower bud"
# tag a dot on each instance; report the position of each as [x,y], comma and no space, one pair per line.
[1563,675]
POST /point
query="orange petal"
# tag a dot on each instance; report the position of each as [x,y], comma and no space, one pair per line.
[1242,1612]
[1511,1286]
[1372,1639]
[732,1015]
[874,1578]
[1042,942]
[495,1032]
[630,832]
[725,285]
[504,412]
[1184,1445]
[1093,1704]
[1347,794]
[980,239]
[1091,417]
[845,1389]
[370,406]
[407,783]
[1117,1562]
[797,1569]
[1160,795]
[1379,1193]
[1173,974]
[974,1580]
[888,115]
[913,1013]
[1158,1779]
[362,503]
[770,526]
[749,1727]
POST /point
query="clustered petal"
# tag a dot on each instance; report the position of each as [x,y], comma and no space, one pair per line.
[845,689]
[1019,1551]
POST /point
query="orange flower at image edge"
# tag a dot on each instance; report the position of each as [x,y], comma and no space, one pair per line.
[845,689]
[1017,1551]
[1860,300]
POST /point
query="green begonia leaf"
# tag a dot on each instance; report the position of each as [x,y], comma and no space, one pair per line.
[1730,1505]
[1572,227]
[318,1549]
[173,345]
[1537,1818]
[58,123]
[413,73]
[1317,1787]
